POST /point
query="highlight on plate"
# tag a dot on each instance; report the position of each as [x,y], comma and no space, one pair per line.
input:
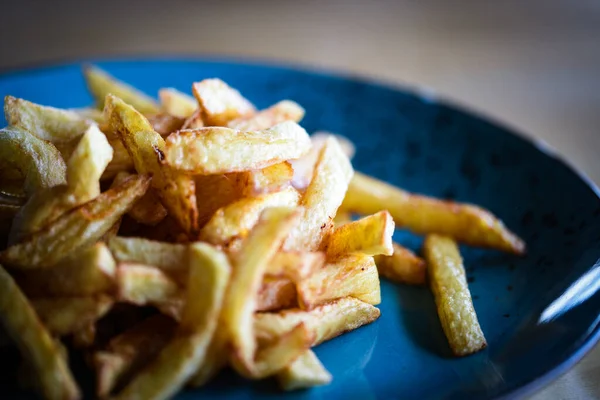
[166,240]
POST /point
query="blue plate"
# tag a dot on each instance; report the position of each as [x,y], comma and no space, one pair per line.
[539,313]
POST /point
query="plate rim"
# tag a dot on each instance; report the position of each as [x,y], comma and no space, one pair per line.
[418,91]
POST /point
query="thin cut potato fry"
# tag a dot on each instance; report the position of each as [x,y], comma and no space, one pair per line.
[250,264]
[464,222]
[322,198]
[176,103]
[165,124]
[237,219]
[41,352]
[218,150]
[177,362]
[148,210]
[143,284]
[130,351]
[295,266]
[267,180]
[285,110]
[212,193]
[307,371]
[448,283]
[326,321]
[85,273]
[77,229]
[100,84]
[276,294]
[38,161]
[219,103]
[370,236]
[352,275]
[146,148]
[65,315]
[403,266]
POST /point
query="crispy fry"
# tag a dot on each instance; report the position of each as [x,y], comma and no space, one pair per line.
[285,110]
[275,294]
[76,229]
[325,321]
[296,266]
[220,103]
[353,275]
[165,124]
[307,371]
[85,273]
[65,315]
[146,148]
[38,161]
[237,219]
[212,193]
[217,150]
[177,362]
[101,84]
[370,236]
[143,284]
[322,198]
[467,223]
[177,103]
[148,210]
[403,266]
[194,121]
[40,351]
[448,283]
[342,218]
[255,182]
[121,161]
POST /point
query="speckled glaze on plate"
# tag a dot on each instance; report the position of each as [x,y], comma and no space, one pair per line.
[539,312]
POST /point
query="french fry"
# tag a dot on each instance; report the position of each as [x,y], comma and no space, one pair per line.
[212,193]
[146,148]
[307,371]
[217,150]
[129,352]
[352,275]
[370,236]
[342,218]
[464,222]
[219,103]
[237,219]
[85,273]
[121,161]
[41,352]
[403,266]
[325,321]
[90,113]
[194,121]
[275,294]
[177,362]
[65,315]
[177,103]
[39,162]
[165,124]
[322,198]
[285,110]
[148,210]
[100,84]
[448,282]
[77,229]
[295,266]
[255,182]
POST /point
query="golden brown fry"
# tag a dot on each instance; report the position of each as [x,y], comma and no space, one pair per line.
[165,124]
[65,315]
[325,321]
[77,229]
[342,218]
[194,121]
[212,193]
[146,148]
[322,198]
[218,150]
[143,284]
[275,294]
[449,286]
[85,273]
[38,161]
[237,219]
[307,371]
[295,266]
[41,352]
[370,236]
[148,210]
[403,266]
[131,351]
[255,182]
[285,110]
[177,103]
[352,275]
[420,214]
[177,362]
[220,103]
[121,161]
[101,84]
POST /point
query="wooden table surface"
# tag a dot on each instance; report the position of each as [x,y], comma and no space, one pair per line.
[532,64]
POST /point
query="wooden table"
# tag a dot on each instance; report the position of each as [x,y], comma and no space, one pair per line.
[534,64]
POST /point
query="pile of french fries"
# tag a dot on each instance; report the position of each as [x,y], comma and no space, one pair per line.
[169,240]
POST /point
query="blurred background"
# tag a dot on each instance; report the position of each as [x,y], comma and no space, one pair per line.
[534,65]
